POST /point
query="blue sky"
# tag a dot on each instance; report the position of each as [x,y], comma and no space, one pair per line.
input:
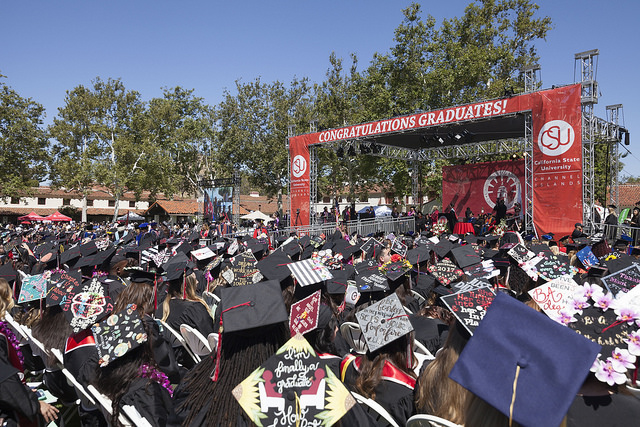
[49,47]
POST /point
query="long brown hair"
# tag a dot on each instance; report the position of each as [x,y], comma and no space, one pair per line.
[371,365]
[437,394]
[6,298]
[175,291]
[140,294]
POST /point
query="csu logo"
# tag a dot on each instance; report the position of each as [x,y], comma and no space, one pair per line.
[556,137]
[298,166]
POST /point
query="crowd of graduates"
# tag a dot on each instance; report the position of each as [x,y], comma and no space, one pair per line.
[482,329]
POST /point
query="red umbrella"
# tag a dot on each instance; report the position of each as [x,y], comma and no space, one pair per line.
[57,217]
[31,217]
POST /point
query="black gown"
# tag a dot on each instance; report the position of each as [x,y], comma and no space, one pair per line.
[432,333]
[192,313]
[15,397]
[608,410]
[151,400]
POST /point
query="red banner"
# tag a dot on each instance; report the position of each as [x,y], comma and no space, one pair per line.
[478,186]
[557,160]
[299,179]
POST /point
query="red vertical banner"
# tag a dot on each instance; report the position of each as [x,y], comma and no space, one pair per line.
[557,160]
[300,185]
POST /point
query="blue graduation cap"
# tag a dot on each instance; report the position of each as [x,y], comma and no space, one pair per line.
[524,364]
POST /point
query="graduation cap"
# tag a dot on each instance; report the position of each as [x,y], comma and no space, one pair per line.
[443,247]
[252,306]
[275,388]
[383,322]
[85,304]
[97,259]
[139,275]
[33,288]
[445,271]
[470,307]
[257,248]
[371,247]
[70,254]
[292,248]
[61,283]
[8,273]
[424,284]
[515,353]
[309,271]
[118,334]
[418,255]
[465,256]
[203,254]
[369,278]
[337,285]
[395,270]
[274,267]
[345,249]
[243,270]
[615,264]
[304,314]
[88,248]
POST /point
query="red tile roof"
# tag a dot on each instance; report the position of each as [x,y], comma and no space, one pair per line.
[628,195]
[176,207]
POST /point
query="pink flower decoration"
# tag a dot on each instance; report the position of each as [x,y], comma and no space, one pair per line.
[626,314]
[633,343]
[603,301]
[621,360]
[565,318]
[592,291]
[580,303]
[607,374]
[596,363]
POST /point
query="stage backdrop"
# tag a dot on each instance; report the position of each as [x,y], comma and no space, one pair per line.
[478,186]
[218,203]
[557,150]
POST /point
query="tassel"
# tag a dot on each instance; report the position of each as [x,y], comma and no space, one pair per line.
[155,294]
[184,284]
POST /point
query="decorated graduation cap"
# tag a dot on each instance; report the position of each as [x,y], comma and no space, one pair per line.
[371,247]
[60,284]
[383,322]
[445,271]
[33,288]
[470,306]
[309,271]
[369,278]
[395,269]
[118,334]
[243,270]
[304,314]
[271,390]
[203,254]
[86,303]
[514,354]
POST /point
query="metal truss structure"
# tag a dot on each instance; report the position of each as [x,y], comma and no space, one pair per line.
[594,131]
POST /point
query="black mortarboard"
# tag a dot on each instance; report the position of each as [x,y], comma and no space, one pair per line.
[443,247]
[274,267]
[70,254]
[345,248]
[292,248]
[88,248]
[514,353]
[616,264]
[8,273]
[597,271]
[418,255]
[252,306]
[139,275]
[338,284]
[424,284]
[465,256]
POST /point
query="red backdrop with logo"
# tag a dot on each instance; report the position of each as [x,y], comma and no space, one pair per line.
[557,151]
[479,185]
[557,160]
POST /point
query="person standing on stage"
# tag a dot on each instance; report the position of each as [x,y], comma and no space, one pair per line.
[501,210]
[611,221]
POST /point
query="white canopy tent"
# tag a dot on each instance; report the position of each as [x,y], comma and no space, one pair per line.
[132,217]
[255,215]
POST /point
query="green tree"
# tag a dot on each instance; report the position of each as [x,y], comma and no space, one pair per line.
[253,128]
[182,127]
[104,129]
[477,56]
[23,143]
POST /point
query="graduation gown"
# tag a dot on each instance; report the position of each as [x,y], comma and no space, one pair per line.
[192,313]
[608,410]
[151,400]
[17,402]
[432,333]
[394,393]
